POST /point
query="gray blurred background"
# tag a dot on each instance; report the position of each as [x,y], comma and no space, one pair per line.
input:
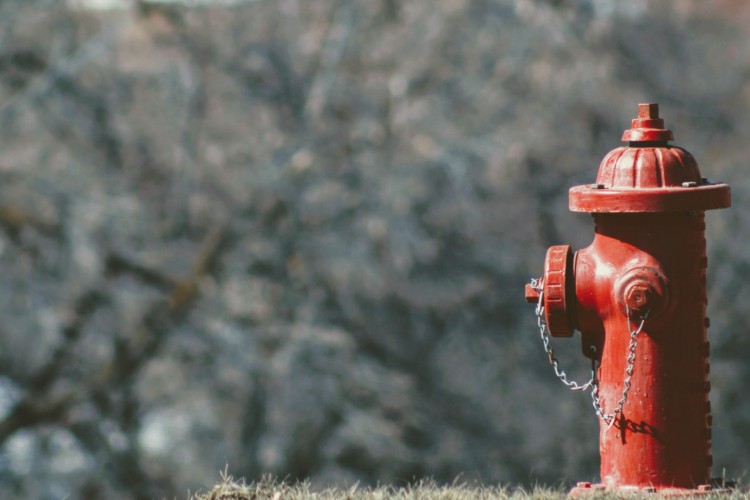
[291,236]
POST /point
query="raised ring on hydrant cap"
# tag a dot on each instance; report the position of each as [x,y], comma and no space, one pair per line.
[643,290]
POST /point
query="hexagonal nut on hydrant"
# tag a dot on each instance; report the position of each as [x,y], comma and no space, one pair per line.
[643,290]
[639,296]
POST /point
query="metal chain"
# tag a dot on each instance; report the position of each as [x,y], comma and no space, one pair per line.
[609,418]
[593,383]
[544,332]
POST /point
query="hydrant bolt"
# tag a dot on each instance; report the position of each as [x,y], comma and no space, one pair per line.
[637,297]
[649,111]
[643,290]
[532,294]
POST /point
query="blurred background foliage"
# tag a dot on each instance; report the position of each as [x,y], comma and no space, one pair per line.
[291,236]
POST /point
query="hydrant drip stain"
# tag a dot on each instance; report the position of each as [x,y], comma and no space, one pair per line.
[646,266]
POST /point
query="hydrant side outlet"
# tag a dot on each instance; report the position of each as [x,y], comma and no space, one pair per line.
[558,278]
[638,296]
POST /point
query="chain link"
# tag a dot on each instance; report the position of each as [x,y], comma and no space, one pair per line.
[610,418]
[544,332]
[593,383]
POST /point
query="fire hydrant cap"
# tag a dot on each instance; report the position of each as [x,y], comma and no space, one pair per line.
[648,175]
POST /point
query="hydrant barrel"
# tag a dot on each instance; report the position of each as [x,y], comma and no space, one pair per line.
[662,436]
[638,296]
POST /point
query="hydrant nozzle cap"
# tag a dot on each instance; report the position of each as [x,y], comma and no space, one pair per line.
[648,127]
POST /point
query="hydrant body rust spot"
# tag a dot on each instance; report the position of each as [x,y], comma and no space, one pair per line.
[637,294]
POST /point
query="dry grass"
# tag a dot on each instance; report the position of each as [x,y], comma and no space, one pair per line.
[269,488]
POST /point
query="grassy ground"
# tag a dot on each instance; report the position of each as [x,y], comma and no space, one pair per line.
[424,490]
[269,489]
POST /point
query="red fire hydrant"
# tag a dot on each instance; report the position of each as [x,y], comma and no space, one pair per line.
[637,294]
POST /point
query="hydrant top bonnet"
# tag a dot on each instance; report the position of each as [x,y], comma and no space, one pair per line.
[648,175]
